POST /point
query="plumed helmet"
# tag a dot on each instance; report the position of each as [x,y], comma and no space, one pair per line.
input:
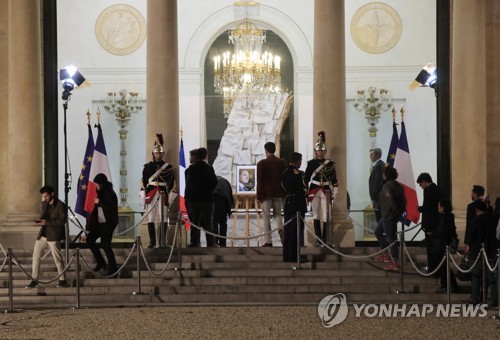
[158,146]
[320,144]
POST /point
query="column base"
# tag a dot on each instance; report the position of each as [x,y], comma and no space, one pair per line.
[19,232]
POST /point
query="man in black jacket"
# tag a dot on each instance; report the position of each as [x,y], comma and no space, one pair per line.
[223,205]
[376,180]
[430,215]
[52,231]
[474,239]
[476,196]
[200,185]
[295,187]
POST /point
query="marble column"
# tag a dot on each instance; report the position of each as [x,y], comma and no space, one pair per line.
[329,101]
[24,108]
[4,98]
[163,78]
[163,85]
[468,103]
[493,100]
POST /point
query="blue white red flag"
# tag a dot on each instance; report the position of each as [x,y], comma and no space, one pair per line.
[100,164]
[182,183]
[83,180]
[402,163]
[391,155]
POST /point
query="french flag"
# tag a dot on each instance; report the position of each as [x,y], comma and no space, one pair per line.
[182,183]
[100,165]
[402,163]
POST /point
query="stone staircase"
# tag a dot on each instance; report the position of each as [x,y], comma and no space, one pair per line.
[226,276]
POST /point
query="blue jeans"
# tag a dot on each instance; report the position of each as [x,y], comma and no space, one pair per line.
[386,234]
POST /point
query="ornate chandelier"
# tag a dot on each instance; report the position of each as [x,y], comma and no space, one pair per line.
[247,72]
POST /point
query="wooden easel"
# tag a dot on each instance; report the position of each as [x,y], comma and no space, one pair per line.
[247,202]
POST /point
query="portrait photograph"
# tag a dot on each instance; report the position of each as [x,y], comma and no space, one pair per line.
[246,179]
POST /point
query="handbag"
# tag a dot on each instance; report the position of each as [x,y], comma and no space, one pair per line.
[465,264]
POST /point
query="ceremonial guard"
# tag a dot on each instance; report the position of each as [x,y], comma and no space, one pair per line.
[323,187]
[295,187]
[157,176]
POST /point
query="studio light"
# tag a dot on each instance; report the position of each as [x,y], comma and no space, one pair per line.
[426,78]
[71,78]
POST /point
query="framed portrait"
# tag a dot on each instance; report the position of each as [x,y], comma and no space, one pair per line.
[246,179]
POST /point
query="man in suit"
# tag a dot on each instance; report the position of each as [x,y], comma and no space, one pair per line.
[430,215]
[200,185]
[376,180]
[52,231]
[295,186]
[270,193]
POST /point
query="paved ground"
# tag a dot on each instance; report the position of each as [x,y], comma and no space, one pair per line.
[283,322]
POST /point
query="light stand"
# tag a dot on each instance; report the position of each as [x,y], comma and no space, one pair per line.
[70,78]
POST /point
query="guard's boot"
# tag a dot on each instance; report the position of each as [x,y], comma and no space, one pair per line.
[152,235]
[327,236]
[317,231]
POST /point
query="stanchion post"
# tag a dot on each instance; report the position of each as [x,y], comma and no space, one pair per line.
[77,278]
[297,217]
[11,285]
[162,220]
[448,285]
[179,241]
[485,277]
[11,282]
[138,250]
[401,261]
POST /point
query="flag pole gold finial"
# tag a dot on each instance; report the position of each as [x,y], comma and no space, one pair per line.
[181,131]
[88,116]
[98,116]
[394,114]
[402,111]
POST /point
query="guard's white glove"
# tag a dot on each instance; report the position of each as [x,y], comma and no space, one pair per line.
[335,192]
[142,198]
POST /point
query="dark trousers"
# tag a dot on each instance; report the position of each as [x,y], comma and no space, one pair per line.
[386,234]
[202,213]
[432,254]
[476,280]
[290,236]
[105,232]
[220,218]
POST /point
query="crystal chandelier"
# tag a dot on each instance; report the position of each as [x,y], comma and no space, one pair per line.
[247,72]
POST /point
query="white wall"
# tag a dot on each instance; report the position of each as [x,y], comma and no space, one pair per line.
[199,23]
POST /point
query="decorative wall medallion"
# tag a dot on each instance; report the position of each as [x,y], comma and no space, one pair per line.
[120,29]
[376,27]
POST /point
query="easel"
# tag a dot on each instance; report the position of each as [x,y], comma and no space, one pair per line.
[245,201]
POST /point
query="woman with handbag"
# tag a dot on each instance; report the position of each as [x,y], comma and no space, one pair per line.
[441,237]
[102,223]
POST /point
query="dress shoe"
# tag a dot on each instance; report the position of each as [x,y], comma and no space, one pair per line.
[267,244]
[98,267]
[32,284]
[151,246]
[193,245]
[62,284]
[213,245]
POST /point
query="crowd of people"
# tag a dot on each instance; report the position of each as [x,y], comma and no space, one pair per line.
[209,202]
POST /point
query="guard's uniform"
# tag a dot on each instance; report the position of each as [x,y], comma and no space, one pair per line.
[163,181]
[295,187]
[323,186]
